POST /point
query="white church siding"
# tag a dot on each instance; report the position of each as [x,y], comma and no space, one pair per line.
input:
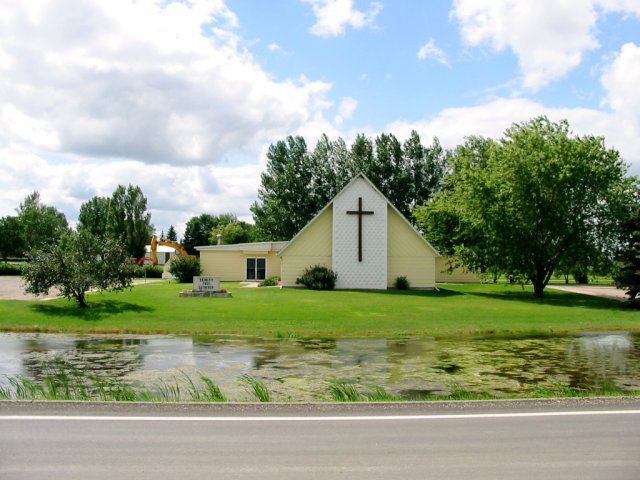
[371,272]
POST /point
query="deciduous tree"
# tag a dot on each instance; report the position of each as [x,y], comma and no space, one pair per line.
[77,263]
[297,183]
[199,230]
[129,221]
[530,201]
[11,237]
[231,233]
[285,203]
[627,274]
[94,215]
[41,224]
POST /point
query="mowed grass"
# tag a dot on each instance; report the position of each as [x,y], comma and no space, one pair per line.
[454,310]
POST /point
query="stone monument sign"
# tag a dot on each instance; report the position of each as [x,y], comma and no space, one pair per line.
[206,284]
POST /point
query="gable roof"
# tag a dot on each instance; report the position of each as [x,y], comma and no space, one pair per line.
[246,247]
[348,185]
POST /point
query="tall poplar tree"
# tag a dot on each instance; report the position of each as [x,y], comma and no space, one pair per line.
[93,216]
[297,183]
[128,220]
[285,201]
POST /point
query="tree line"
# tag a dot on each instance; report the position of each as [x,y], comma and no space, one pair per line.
[123,217]
[96,255]
[204,229]
[537,202]
[299,182]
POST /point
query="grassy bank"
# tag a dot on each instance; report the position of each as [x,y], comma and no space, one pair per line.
[455,310]
[75,385]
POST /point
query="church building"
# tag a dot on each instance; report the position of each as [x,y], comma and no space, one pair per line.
[359,234]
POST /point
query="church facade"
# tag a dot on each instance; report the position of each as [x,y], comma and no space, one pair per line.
[360,235]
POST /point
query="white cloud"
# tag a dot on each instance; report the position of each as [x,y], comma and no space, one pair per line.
[620,126]
[430,50]
[491,119]
[334,16]
[174,193]
[549,40]
[158,93]
[21,127]
[163,94]
[621,80]
[275,48]
[347,106]
[627,6]
[153,81]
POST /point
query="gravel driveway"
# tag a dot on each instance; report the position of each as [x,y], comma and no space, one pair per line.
[12,288]
[595,290]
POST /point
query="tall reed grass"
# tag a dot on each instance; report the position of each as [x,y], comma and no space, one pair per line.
[259,389]
[68,384]
[65,384]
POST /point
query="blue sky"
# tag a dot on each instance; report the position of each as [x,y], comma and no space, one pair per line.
[183,97]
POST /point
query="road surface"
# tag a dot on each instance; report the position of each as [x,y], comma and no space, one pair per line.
[595,439]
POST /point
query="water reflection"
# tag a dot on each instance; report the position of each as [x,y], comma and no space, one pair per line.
[296,369]
[101,356]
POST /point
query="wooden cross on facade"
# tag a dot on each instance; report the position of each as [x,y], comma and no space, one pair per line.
[360,213]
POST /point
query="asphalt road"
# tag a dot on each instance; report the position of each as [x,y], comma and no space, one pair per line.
[596,439]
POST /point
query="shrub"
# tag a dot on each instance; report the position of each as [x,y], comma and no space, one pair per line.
[270,282]
[318,278]
[11,268]
[148,271]
[581,277]
[185,268]
[401,283]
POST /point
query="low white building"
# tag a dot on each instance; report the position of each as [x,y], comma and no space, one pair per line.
[164,254]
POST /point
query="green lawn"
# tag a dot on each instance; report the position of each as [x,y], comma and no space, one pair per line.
[454,310]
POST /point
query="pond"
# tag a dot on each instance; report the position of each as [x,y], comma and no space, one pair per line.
[300,369]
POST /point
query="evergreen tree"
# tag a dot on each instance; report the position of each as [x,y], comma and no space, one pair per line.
[171,234]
